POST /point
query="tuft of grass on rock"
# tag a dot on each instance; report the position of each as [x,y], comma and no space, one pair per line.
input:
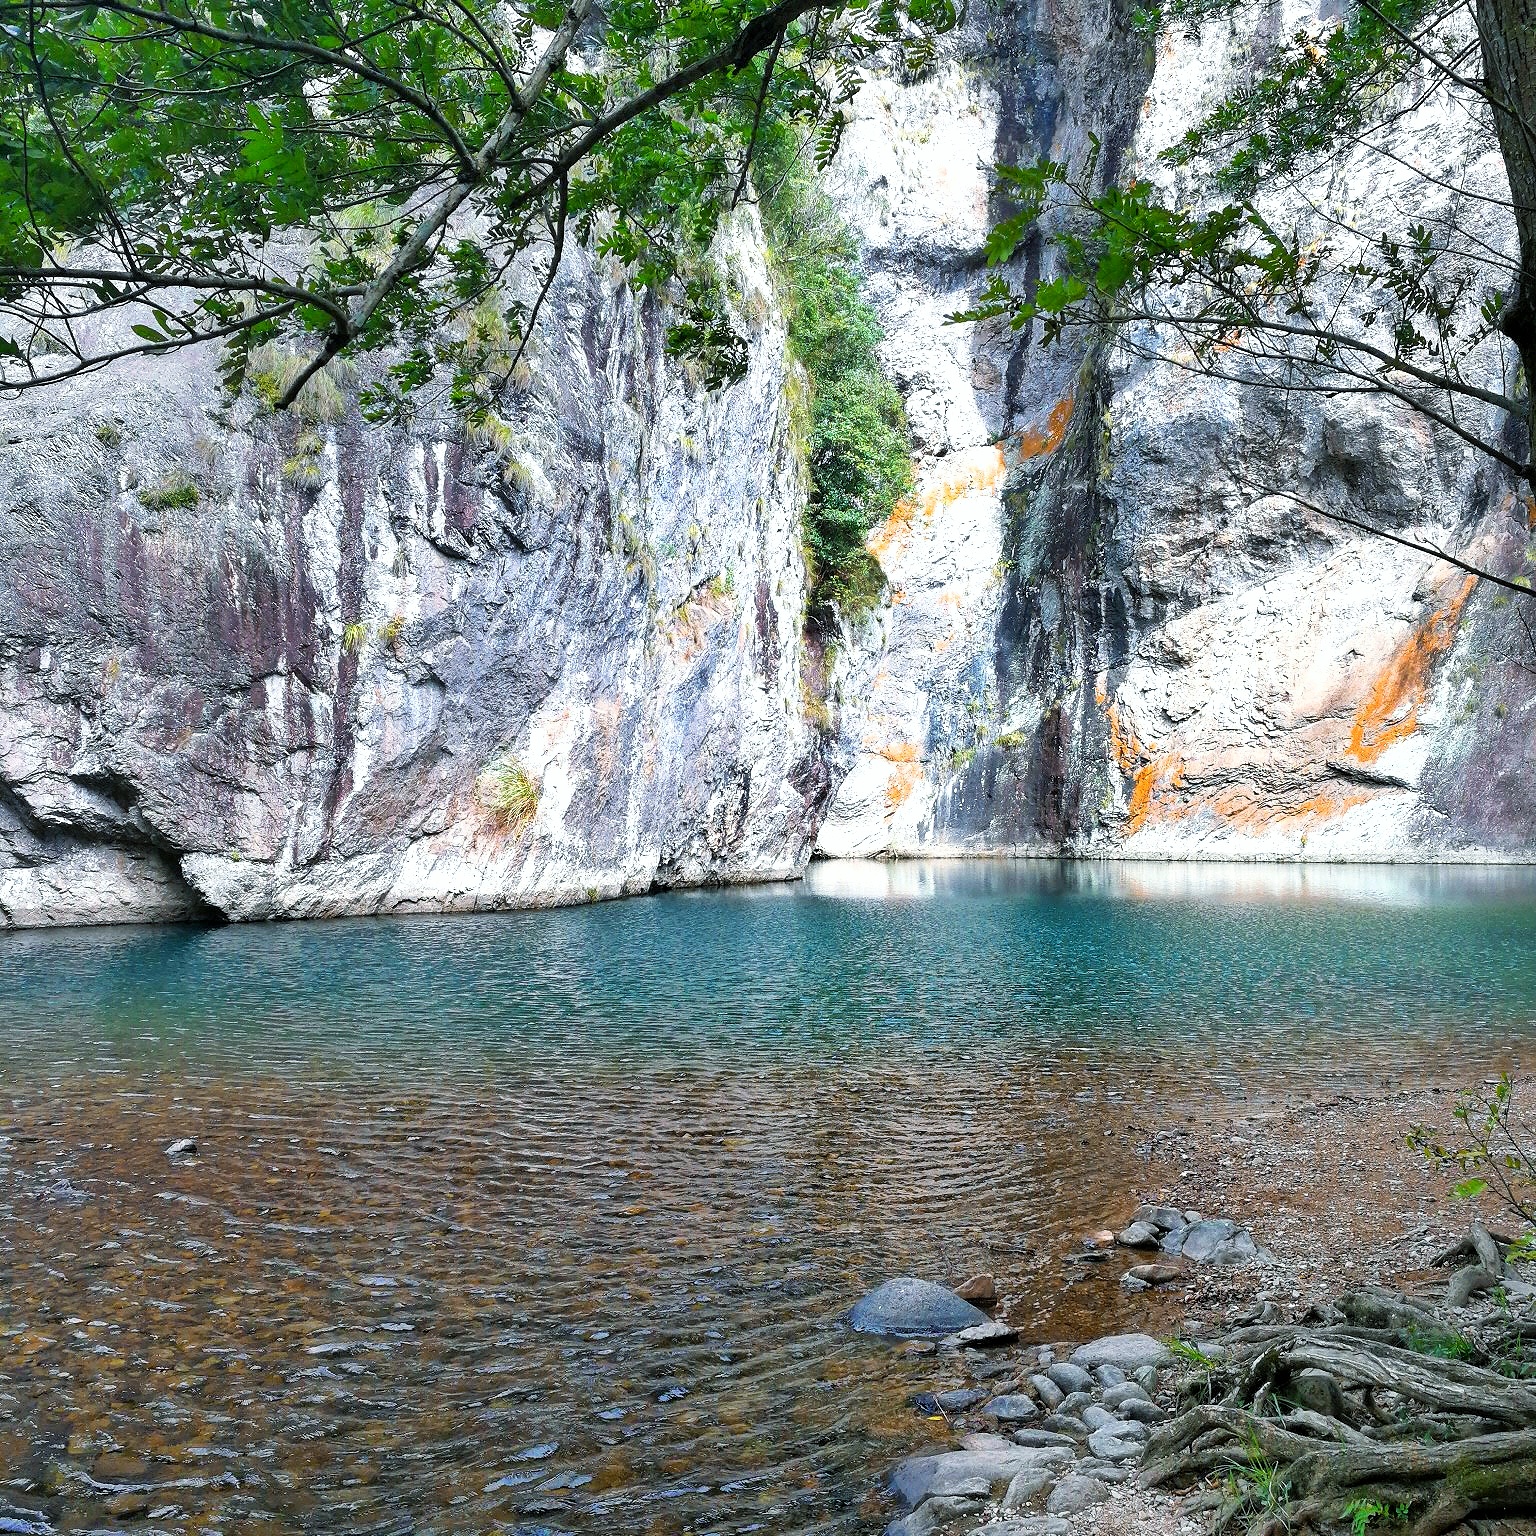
[509,793]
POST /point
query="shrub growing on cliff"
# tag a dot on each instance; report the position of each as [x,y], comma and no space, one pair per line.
[857,445]
[507,791]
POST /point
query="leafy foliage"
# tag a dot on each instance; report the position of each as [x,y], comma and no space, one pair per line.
[1494,1150]
[296,173]
[857,444]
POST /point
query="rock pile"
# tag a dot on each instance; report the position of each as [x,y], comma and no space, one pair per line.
[1064,1433]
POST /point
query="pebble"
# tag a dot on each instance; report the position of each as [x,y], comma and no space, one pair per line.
[1155,1274]
[1109,1375]
[985,1335]
[1096,1418]
[1013,1408]
[1146,1379]
[186,1146]
[1076,1493]
[1140,1234]
[1047,1390]
[1035,1439]
[1070,1378]
[1142,1412]
[981,1289]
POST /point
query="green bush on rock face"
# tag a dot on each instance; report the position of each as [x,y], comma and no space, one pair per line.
[857,445]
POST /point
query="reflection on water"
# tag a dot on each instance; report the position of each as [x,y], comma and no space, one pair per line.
[546,1220]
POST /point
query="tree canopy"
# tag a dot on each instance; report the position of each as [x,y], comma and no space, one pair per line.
[1247,276]
[349,175]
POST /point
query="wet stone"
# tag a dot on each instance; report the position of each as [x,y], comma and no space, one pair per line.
[1140,1234]
[909,1308]
[1013,1408]
[1047,1390]
[980,1289]
[1037,1438]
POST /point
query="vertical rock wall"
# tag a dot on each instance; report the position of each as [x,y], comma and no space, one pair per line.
[1105,633]
[276,694]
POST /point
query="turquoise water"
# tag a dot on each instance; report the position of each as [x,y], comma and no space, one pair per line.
[547,1222]
[916,960]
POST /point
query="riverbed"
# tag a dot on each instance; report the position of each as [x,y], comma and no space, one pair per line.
[547,1221]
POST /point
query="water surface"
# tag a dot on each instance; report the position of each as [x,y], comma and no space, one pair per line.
[545,1221]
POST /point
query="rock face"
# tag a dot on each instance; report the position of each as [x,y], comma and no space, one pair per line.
[1106,634]
[260,667]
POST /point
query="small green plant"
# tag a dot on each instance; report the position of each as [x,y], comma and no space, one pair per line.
[509,793]
[393,628]
[1363,1513]
[1012,741]
[1441,1343]
[1257,1483]
[353,638]
[270,371]
[1495,1151]
[176,491]
[306,467]
[1189,1354]
[485,429]
[108,434]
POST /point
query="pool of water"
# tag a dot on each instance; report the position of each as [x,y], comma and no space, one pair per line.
[547,1221]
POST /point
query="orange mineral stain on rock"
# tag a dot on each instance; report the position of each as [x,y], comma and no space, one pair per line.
[1033,441]
[899,786]
[971,472]
[1390,711]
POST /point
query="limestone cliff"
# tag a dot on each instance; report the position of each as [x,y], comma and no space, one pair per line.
[259,667]
[1102,636]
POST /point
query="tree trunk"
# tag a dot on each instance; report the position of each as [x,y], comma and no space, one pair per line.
[1507,32]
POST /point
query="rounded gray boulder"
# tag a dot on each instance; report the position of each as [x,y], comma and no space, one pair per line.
[905,1308]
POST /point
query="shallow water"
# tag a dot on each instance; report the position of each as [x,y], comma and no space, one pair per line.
[545,1221]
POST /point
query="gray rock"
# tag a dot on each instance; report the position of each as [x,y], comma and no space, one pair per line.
[184,1147]
[1129,1351]
[1070,1378]
[1129,1282]
[1096,1418]
[911,1309]
[1065,1424]
[1105,1471]
[1126,1392]
[1026,1485]
[1029,1525]
[1109,1375]
[1164,1218]
[1213,1242]
[1155,1274]
[958,1399]
[1142,1412]
[987,1334]
[983,1463]
[1140,1234]
[1013,1408]
[1041,1437]
[1112,1447]
[1073,1494]
[1146,1378]
[1075,1402]
[935,1515]
[1318,1391]
[1047,1390]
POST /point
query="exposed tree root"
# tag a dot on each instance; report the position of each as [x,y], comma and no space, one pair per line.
[1365,1416]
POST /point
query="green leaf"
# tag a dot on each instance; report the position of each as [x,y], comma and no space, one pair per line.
[1470,1189]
